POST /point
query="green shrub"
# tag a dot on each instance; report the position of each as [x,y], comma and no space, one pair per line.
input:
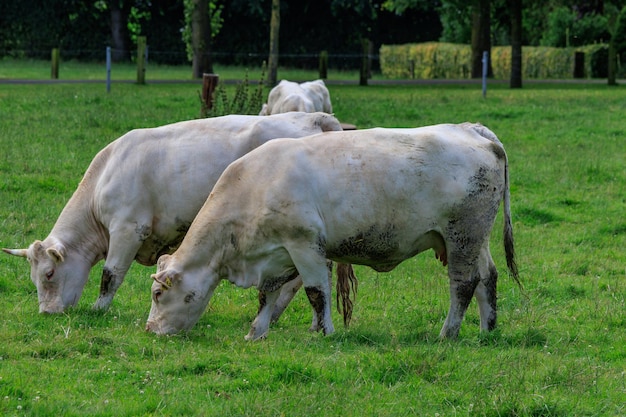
[434,60]
[426,60]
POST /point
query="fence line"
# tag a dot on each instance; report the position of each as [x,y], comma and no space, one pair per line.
[341,60]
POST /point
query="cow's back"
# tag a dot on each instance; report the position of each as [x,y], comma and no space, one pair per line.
[346,186]
[162,176]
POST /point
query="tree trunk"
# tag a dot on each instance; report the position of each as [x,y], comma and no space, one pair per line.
[274,31]
[613,25]
[201,38]
[516,43]
[481,37]
[119,33]
[612,76]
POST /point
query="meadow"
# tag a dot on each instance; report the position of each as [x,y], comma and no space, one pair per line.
[559,348]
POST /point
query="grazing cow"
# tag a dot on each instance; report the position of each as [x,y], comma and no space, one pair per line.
[310,96]
[139,196]
[372,197]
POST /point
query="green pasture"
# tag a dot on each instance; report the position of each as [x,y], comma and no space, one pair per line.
[560,345]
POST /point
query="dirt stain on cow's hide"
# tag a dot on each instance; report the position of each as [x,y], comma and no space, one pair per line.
[274,283]
[377,244]
[105,281]
[316,298]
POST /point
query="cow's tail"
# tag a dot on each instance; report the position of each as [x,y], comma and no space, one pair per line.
[347,283]
[509,246]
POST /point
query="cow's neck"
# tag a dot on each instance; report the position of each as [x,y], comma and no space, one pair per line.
[78,229]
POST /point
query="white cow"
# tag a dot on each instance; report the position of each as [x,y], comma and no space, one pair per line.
[310,96]
[373,197]
[139,196]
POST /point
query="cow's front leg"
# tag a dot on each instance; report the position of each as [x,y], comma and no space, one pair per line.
[317,278]
[319,297]
[288,292]
[123,247]
[261,324]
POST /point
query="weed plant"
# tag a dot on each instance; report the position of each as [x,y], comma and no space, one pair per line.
[245,100]
[559,348]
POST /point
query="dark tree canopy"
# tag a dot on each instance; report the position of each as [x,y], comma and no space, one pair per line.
[83,29]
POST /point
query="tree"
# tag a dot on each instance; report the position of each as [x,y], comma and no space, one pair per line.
[481,37]
[613,21]
[516,43]
[200,37]
[119,10]
[274,33]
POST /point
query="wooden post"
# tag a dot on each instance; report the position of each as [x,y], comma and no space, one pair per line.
[54,74]
[323,65]
[209,82]
[579,65]
[365,61]
[141,59]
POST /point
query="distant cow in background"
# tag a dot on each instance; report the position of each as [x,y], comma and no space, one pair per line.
[310,96]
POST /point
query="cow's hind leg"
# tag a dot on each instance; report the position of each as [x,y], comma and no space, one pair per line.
[464,277]
[287,293]
[461,291]
[486,291]
[261,324]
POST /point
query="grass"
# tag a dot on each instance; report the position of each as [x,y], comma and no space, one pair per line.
[559,349]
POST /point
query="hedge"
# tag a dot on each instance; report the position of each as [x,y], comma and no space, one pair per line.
[453,61]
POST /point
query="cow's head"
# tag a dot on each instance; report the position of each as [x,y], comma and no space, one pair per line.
[178,298]
[59,275]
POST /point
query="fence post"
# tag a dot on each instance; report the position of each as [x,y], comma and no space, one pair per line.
[141,59]
[108,69]
[209,82]
[54,73]
[485,71]
[323,65]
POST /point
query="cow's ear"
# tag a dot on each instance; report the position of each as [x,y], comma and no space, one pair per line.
[167,278]
[56,253]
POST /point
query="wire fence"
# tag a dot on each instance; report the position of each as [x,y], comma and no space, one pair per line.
[335,61]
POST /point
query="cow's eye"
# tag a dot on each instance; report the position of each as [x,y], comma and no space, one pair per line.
[49,274]
[156,294]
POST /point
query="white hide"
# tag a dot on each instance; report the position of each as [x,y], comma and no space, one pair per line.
[139,196]
[310,96]
[371,197]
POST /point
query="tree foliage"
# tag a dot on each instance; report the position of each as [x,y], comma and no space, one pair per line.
[240,28]
[566,27]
